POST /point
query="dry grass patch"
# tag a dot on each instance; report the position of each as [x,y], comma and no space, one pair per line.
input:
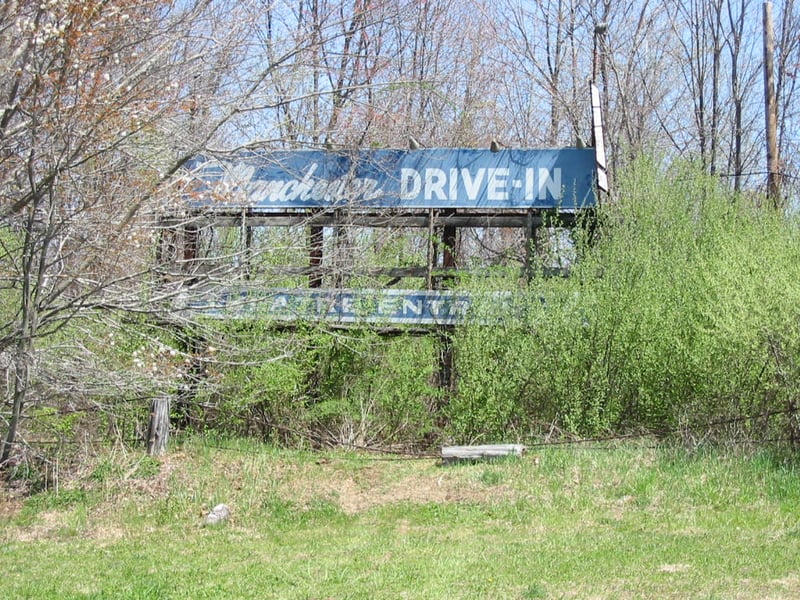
[376,485]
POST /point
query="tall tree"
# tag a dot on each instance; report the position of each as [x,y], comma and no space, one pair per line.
[787,62]
[102,103]
[91,92]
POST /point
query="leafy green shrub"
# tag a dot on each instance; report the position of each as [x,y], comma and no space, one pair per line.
[691,284]
[681,313]
[350,387]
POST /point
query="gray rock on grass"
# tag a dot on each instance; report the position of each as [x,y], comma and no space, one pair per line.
[219,514]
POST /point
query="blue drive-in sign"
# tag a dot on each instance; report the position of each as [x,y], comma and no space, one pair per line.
[412,179]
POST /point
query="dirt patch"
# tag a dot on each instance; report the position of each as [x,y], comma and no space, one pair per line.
[47,526]
[105,534]
[150,481]
[366,488]
[675,568]
[354,498]
[790,582]
[9,507]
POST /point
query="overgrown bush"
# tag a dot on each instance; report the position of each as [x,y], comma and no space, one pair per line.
[335,387]
[682,313]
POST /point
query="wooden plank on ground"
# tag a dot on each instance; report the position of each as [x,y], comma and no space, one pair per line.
[452,454]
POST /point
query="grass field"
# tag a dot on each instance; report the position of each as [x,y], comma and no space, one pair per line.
[568,522]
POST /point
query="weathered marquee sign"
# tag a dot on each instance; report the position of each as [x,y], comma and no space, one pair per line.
[276,180]
[477,186]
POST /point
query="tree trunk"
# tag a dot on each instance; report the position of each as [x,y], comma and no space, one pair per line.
[27,327]
[21,378]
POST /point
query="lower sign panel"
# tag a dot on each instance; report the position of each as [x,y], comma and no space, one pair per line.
[420,307]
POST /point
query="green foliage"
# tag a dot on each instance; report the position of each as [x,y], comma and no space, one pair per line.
[535,590]
[147,467]
[53,500]
[47,421]
[329,387]
[491,477]
[491,357]
[106,470]
[681,313]
[684,296]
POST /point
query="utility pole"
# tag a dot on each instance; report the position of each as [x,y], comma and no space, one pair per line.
[773,169]
[598,56]
[599,31]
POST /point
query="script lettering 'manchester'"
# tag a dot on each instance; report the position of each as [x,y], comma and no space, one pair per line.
[308,188]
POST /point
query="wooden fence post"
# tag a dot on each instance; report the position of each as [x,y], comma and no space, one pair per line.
[158,428]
